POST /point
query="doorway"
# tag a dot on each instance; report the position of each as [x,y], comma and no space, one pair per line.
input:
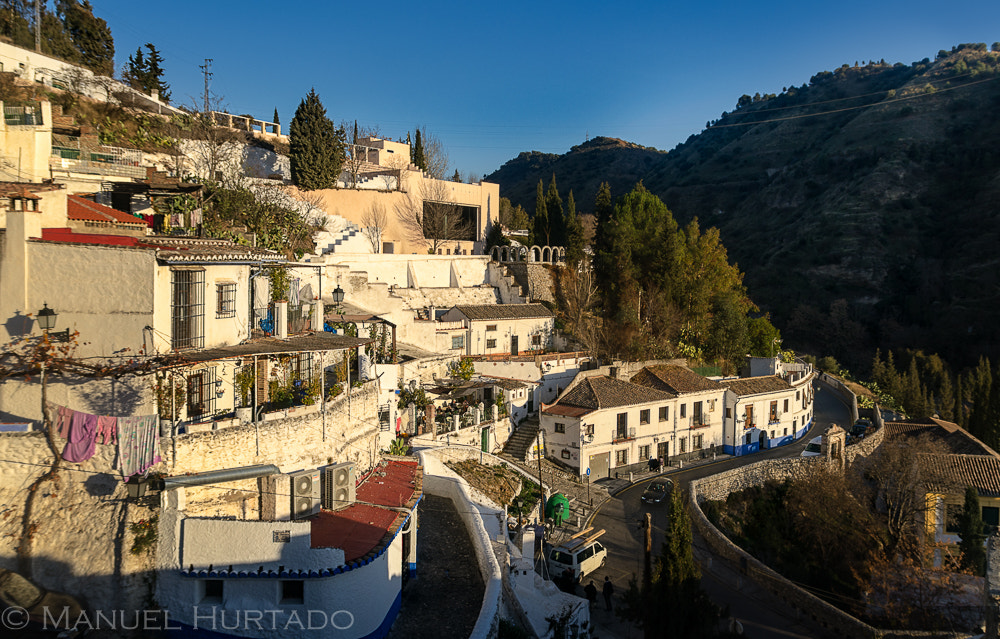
[513,345]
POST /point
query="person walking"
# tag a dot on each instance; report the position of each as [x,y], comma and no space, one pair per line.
[609,591]
[591,591]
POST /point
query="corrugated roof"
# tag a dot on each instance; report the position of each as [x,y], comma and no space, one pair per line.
[504,311]
[756,385]
[79,208]
[607,392]
[674,379]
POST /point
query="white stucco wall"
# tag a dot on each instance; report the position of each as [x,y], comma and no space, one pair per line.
[246,545]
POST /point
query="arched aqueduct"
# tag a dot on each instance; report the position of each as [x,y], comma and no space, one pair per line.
[543,254]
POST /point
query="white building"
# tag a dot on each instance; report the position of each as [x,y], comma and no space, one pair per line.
[333,573]
[496,329]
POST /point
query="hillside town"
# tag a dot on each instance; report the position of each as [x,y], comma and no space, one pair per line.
[296,461]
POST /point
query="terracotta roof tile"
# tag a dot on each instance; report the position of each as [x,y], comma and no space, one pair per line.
[79,208]
[957,440]
[607,392]
[504,311]
[756,385]
[674,379]
[979,471]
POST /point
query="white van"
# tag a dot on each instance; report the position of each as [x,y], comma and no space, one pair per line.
[814,447]
[580,560]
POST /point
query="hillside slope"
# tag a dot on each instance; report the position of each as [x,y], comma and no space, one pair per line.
[862,206]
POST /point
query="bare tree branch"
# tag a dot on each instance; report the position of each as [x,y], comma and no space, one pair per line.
[374,220]
[430,216]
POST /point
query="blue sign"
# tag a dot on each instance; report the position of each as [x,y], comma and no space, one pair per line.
[588,472]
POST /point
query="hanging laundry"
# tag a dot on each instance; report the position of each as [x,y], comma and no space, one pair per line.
[196,217]
[82,438]
[64,418]
[107,429]
[138,444]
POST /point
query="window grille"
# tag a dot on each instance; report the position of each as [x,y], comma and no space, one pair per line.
[187,306]
[225,305]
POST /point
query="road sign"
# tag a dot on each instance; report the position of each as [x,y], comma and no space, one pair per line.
[588,472]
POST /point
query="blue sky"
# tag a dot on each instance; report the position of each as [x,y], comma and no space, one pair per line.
[493,80]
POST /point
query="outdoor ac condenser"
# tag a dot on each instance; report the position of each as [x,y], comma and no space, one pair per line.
[339,486]
[305,493]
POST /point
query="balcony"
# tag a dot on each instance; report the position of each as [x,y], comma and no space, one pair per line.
[699,422]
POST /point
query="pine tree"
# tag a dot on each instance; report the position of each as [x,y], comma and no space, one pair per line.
[457,177]
[316,146]
[574,234]
[91,35]
[970,530]
[154,74]
[540,228]
[135,70]
[275,119]
[418,152]
[554,210]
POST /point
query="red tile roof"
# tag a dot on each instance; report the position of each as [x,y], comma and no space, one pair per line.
[674,379]
[363,527]
[79,208]
[756,385]
[67,235]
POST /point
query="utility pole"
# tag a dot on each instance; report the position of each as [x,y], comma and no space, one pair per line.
[647,569]
[205,70]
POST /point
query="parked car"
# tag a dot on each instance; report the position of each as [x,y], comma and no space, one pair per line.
[47,612]
[576,561]
[657,491]
[860,428]
[814,447]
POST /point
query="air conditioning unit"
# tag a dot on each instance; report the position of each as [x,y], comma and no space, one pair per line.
[339,486]
[305,493]
[631,432]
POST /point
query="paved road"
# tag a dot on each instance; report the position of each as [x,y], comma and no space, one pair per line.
[761,615]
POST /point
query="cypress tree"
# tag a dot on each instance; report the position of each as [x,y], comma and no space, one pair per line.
[418,152]
[541,229]
[554,210]
[574,233]
[457,177]
[276,120]
[316,147]
[970,530]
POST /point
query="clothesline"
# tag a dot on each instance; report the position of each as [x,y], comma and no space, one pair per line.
[137,438]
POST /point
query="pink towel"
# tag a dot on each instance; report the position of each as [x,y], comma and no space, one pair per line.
[82,438]
[107,429]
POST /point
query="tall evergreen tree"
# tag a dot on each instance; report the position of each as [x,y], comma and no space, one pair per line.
[91,35]
[316,147]
[554,211]
[275,118]
[970,530]
[574,233]
[154,73]
[541,229]
[419,158]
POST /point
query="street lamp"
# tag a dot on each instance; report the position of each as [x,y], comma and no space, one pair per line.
[338,297]
[47,321]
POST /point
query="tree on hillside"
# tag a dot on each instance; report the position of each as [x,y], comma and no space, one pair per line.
[728,339]
[275,118]
[144,72]
[430,216]
[316,149]
[513,217]
[574,234]
[91,35]
[554,211]
[541,229]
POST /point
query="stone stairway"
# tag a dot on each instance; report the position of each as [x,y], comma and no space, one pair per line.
[518,444]
[349,236]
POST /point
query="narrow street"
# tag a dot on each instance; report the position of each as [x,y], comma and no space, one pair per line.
[762,617]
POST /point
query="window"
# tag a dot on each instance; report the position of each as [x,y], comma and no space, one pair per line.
[536,340]
[644,416]
[684,410]
[622,431]
[696,442]
[711,405]
[796,395]
[749,416]
[621,457]
[301,367]
[590,429]
[491,328]
[560,428]
[729,413]
[293,592]
[201,393]
[458,341]
[187,308]
[491,343]
[697,417]
[565,453]
[643,453]
[991,519]
[225,300]
[664,413]
[786,406]
[683,444]
[773,413]
[211,591]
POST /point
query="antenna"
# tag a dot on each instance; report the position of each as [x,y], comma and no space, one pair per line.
[205,69]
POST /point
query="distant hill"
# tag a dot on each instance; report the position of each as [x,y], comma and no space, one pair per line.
[863,206]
